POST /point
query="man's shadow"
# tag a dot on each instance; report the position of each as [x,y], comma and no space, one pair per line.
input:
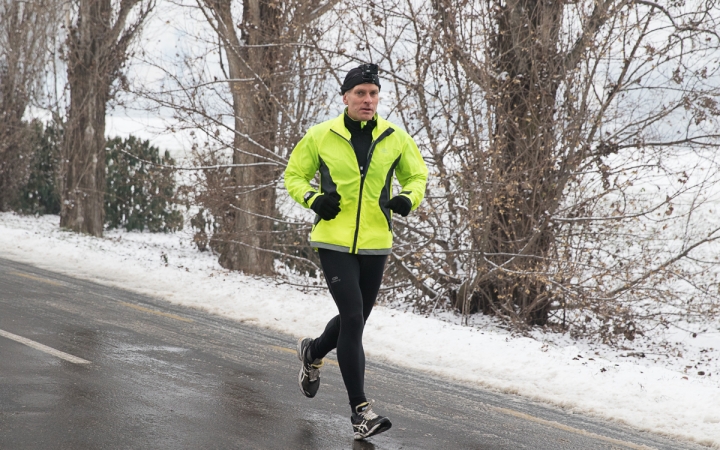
[363,445]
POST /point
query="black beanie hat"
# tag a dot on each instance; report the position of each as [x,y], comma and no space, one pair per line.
[360,75]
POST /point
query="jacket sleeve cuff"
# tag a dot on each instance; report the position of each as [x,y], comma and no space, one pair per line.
[310,198]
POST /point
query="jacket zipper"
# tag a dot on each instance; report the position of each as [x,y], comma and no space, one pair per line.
[384,134]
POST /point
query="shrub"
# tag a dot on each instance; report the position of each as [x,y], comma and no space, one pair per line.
[140,187]
[40,194]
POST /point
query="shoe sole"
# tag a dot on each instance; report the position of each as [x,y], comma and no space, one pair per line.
[377,429]
[299,348]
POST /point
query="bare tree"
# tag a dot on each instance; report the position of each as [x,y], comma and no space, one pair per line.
[24,30]
[97,48]
[214,88]
[260,52]
[544,124]
[539,70]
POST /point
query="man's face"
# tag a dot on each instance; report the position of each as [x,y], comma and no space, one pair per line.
[362,101]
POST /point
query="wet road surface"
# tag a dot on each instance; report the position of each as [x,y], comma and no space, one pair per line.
[159,376]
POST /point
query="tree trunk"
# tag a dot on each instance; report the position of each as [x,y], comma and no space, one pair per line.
[256,125]
[83,159]
[246,236]
[96,51]
[525,55]
[259,71]
[84,153]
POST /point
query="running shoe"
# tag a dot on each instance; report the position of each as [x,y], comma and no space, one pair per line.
[366,423]
[309,376]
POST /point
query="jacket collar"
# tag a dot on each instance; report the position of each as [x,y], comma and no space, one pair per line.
[338,126]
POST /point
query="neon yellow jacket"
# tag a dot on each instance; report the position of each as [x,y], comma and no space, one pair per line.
[364,225]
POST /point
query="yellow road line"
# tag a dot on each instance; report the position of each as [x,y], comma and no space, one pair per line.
[153,311]
[569,429]
[34,278]
[332,362]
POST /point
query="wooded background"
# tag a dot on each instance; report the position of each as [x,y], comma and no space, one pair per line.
[572,145]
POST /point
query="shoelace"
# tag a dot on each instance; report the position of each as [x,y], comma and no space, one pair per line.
[314,370]
[368,414]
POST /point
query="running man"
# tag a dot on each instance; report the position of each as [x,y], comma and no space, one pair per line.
[357,155]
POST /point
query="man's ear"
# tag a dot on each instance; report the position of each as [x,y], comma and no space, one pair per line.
[345,98]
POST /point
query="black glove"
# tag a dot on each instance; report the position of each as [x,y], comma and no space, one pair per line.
[327,206]
[399,205]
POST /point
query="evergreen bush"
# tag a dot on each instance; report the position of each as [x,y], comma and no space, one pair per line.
[140,187]
[40,194]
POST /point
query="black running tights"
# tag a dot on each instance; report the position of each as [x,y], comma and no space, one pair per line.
[354,282]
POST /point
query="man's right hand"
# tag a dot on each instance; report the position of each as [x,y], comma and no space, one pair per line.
[327,206]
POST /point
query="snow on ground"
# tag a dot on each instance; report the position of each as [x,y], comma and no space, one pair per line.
[661,393]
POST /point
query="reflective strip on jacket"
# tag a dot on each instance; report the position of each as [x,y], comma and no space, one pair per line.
[364,225]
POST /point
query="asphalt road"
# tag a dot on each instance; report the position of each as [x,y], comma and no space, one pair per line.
[151,375]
